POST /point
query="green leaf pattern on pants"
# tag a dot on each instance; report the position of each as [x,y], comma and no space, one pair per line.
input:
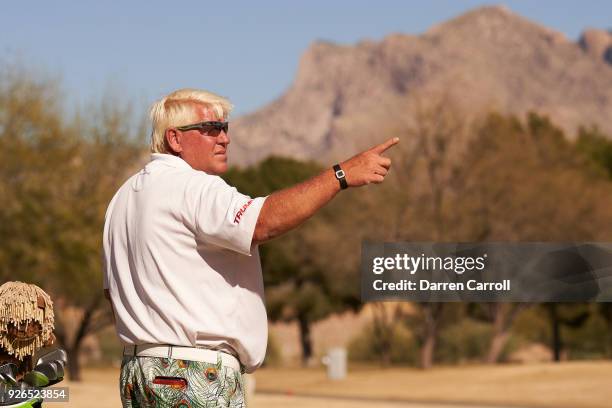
[208,385]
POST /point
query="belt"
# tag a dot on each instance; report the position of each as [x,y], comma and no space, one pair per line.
[183,353]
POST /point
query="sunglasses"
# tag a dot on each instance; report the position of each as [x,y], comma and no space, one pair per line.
[212,128]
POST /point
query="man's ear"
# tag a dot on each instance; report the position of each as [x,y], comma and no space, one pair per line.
[173,140]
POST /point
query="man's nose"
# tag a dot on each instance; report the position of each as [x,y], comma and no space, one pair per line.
[223,138]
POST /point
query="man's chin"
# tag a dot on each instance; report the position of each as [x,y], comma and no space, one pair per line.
[221,168]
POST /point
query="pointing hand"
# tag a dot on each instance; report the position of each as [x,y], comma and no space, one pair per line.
[369,166]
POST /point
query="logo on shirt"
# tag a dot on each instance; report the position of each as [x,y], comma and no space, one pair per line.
[241,212]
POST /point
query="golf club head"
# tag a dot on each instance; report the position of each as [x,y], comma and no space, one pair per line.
[54,371]
[48,369]
[36,379]
[60,370]
[54,355]
[8,372]
[4,387]
[8,379]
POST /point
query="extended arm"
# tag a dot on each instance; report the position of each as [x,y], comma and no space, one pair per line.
[286,209]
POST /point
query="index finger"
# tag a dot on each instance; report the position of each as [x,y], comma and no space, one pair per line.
[385,145]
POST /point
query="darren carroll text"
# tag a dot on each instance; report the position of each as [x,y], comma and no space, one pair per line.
[406,285]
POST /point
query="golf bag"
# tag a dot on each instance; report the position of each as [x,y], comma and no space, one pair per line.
[27,392]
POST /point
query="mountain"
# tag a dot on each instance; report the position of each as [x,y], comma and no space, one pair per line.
[598,43]
[345,98]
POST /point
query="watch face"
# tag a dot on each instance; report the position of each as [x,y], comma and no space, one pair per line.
[340,174]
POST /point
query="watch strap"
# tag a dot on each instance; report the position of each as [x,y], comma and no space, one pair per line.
[340,176]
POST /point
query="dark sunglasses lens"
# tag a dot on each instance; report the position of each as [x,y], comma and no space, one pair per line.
[213,131]
[209,128]
[220,126]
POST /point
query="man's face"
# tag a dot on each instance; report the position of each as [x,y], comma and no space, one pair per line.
[200,149]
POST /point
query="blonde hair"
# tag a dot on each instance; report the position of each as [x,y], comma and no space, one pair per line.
[19,303]
[177,109]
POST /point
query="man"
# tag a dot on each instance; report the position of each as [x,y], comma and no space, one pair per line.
[182,266]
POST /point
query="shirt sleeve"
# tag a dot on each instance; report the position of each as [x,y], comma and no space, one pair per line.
[106,250]
[105,275]
[220,214]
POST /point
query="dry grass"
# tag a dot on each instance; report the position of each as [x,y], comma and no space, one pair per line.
[573,384]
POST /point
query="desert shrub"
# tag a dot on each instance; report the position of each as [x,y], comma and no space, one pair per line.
[588,341]
[466,340]
[580,341]
[273,354]
[532,326]
[368,347]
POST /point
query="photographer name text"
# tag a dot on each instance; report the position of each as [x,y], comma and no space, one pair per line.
[424,284]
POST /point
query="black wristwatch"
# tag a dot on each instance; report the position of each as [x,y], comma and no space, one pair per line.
[339,173]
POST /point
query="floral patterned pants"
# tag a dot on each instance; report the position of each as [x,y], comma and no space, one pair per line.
[165,382]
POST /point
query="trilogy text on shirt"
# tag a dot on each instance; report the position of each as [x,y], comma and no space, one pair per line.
[241,212]
[472,284]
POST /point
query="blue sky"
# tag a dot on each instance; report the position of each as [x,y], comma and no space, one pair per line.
[248,51]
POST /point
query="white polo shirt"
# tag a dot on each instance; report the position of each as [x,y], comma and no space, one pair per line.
[179,263]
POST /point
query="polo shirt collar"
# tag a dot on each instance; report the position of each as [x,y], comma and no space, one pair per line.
[169,160]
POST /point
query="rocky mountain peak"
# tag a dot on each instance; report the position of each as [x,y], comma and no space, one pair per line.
[495,25]
[597,43]
[492,58]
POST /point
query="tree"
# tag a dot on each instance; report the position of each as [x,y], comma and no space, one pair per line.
[302,282]
[526,183]
[560,314]
[596,147]
[606,311]
[424,184]
[79,221]
[501,316]
[56,180]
